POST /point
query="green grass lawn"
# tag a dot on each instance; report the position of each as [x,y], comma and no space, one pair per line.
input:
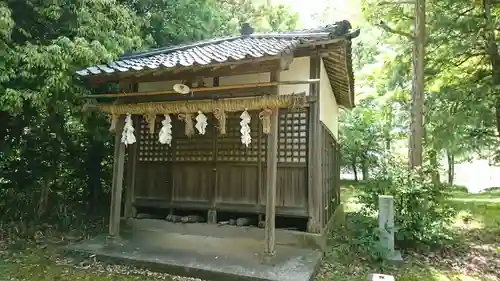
[475,255]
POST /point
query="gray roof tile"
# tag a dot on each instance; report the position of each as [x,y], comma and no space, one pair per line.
[219,50]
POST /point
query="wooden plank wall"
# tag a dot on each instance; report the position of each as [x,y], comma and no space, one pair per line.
[330,164]
[215,169]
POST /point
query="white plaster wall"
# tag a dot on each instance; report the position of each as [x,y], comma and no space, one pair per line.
[157,86]
[244,79]
[329,109]
[223,81]
[299,70]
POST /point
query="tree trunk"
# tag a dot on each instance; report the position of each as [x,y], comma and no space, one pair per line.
[364,168]
[451,167]
[435,167]
[43,200]
[354,168]
[415,148]
[492,50]
[93,165]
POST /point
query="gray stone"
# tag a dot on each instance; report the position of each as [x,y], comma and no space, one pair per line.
[143,216]
[387,229]
[243,221]
[380,277]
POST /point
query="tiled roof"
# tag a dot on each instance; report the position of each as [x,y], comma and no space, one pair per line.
[219,50]
[235,49]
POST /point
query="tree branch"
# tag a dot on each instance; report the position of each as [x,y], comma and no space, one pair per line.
[387,28]
[396,2]
[463,13]
[469,56]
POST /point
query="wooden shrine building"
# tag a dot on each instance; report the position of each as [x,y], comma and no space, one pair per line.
[244,126]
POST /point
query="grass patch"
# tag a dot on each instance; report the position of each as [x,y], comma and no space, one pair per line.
[474,254]
[45,264]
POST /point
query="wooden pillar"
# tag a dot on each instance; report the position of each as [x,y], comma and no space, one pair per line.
[212,211]
[130,210]
[314,201]
[117,186]
[271,172]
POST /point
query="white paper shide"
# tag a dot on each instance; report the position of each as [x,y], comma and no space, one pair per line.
[165,135]
[201,123]
[246,138]
[128,131]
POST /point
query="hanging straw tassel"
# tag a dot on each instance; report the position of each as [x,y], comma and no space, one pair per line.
[220,115]
[201,123]
[246,138]
[150,119]
[128,131]
[188,120]
[265,116]
[165,136]
[114,120]
[229,105]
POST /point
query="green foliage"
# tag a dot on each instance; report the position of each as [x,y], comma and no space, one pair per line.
[353,252]
[361,133]
[55,161]
[422,213]
[360,236]
[459,113]
[261,17]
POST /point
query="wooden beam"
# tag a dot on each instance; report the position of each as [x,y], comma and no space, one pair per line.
[321,49]
[314,152]
[272,170]
[117,185]
[206,89]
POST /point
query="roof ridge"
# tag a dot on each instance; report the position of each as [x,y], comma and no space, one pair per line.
[162,50]
[338,28]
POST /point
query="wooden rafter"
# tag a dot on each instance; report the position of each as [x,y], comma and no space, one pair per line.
[207,89]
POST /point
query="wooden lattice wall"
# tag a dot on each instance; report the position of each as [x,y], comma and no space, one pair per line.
[330,166]
[217,171]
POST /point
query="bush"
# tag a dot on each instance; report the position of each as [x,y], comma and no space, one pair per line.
[459,188]
[422,214]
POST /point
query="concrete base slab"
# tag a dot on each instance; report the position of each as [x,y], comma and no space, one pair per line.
[151,229]
[209,258]
[396,258]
